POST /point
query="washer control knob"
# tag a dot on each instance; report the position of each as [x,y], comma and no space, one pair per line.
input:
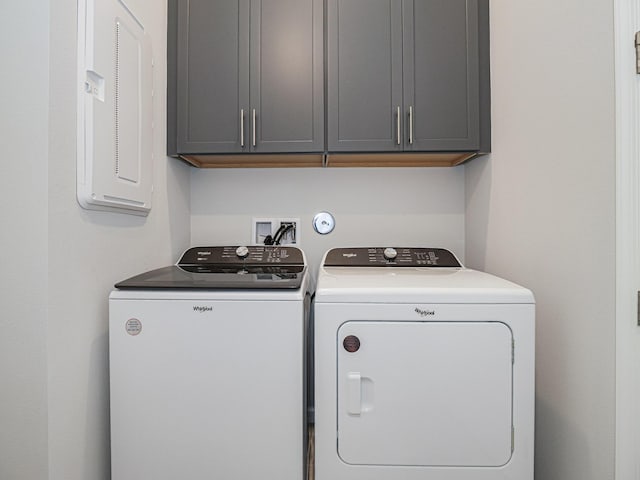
[390,253]
[242,252]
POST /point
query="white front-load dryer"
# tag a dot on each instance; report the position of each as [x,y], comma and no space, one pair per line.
[424,369]
[207,367]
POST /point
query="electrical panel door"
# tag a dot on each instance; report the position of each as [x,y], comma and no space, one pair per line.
[115,113]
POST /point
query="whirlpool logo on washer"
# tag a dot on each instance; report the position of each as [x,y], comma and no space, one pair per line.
[202,309]
[424,313]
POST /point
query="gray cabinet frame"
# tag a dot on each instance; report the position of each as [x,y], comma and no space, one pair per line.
[376,60]
[249,76]
[404,75]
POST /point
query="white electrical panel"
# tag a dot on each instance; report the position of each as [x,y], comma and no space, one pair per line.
[115,112]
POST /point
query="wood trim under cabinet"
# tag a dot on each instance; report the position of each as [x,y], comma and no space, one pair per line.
[330,160]
[398,159]
[254,161]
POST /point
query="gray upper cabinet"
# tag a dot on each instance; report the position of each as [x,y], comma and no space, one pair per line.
[212,74]
[364,74]
[287,81]
[404,75]
[248,76]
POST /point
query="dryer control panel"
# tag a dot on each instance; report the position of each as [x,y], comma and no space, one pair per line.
[390,257]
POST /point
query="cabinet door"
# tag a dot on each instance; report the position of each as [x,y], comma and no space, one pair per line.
[364,75]
[441,83]
[213,75]
[287,91]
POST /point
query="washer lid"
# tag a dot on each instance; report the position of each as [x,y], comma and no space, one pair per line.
[232,267]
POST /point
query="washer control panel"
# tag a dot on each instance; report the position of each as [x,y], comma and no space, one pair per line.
[390,257]
[242,255]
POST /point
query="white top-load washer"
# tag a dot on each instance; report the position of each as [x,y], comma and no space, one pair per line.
[424,369]
[207,367]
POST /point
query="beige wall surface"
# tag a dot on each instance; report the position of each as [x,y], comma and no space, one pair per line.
[371,206]
[540,210]
[89,251]
[61,261]
[24,97]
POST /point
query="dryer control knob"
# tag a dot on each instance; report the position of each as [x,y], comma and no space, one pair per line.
[390,253]
[242,252]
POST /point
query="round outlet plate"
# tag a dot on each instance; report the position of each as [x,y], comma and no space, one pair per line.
[324,223]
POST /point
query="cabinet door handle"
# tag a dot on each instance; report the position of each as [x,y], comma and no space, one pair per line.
[253,127]
[411,125]
[242,127]
[398,125]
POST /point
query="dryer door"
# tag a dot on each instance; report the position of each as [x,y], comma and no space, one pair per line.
[425,393]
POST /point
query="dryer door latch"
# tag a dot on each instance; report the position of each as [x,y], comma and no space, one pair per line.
[637,43]
[354,393]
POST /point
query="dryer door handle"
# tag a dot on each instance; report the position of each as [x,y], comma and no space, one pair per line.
[354,393]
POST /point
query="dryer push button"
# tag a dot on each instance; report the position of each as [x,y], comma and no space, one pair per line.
[351,343]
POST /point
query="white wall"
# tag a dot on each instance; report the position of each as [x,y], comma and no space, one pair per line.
[24,96]
[541,211]
[53,328]
[89,251]
[372,206]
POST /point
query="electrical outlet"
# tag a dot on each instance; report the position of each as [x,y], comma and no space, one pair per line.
[283,230]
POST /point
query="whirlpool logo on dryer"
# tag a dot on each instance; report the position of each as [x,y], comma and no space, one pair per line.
[201,309]
[424,313]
